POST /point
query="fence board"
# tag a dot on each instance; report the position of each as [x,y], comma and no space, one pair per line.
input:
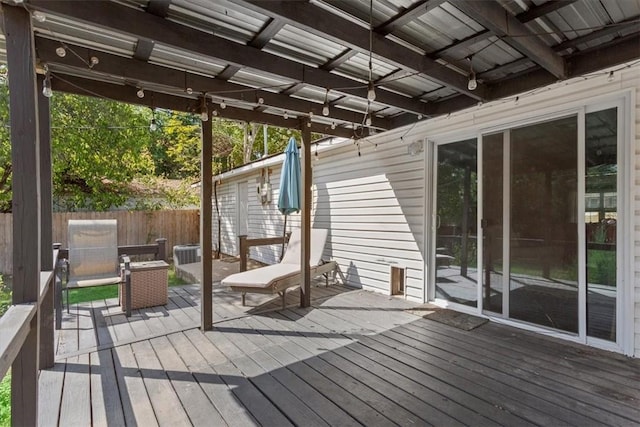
[179,227]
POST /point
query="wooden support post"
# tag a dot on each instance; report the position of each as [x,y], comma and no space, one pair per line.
[26,203]
[47,350]
[206,287]
[242,251]
[305,216]
[162,249]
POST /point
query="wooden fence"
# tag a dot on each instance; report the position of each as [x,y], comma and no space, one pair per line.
[134,228]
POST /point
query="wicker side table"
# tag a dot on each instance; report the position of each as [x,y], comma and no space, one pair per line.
[149,285]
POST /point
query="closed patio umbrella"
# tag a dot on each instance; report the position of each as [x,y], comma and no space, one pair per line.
[289,198]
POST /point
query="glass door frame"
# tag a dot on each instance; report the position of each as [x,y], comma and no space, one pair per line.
[432,164]
[623,101]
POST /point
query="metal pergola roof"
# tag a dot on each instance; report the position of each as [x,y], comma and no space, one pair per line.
[278,61]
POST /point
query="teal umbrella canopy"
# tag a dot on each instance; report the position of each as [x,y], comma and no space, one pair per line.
[289,199]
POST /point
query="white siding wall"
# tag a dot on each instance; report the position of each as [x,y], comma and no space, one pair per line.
[374,204]
[227,205]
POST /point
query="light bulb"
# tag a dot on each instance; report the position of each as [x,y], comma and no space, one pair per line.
[310,114]
[517,101]
[153,126]
[204,116]
[214,113]
[39,16]
[371,92]
[309,124]
[223,105]
[316,156]
[333,125]
[46,87]
[368,120]
[189,91]
[325,109]
[286,115]
[420,116]
[140,93]
[94,60]
[61,52]
[610,76]
[261,100]
[473,83]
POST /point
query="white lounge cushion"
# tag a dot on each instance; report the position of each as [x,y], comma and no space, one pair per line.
[263,277]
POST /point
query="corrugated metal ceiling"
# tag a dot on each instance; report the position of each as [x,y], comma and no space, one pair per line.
[408,83]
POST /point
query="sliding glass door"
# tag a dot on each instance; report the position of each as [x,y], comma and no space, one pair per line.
[547,197]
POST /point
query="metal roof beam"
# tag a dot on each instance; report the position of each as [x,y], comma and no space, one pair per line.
[328,25]
[115,65]
[144,47]
[411,13]
[267,33]
[121,93]
[140,24]
[524,17]
[502,23]
[338,60]
[608,55]
[159,7]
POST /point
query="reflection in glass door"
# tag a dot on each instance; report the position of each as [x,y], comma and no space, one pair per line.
[543,282]
[492,222]
[456,225]
[601,217]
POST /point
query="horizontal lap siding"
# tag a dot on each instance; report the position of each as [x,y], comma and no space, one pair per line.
[374,206]
[265,220]
[227,206]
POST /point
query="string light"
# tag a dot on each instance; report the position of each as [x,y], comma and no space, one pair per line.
[189,91]
[517,100]
[140,93]
[39,16]
[223,105]
[333,125]
[610,77]
[473,83]
[214,113]
[260,100]
[153,126]
[61,52]
[371,92]
[368,120]
[93,61]
[286,115]
[310,114]
[204,111]
[46,86]
[325,108]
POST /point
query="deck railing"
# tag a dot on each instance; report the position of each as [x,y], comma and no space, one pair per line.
[19,322]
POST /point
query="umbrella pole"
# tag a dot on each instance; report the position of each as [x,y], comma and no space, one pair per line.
[284,236]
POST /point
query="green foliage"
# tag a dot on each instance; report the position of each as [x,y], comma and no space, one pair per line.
[98,147]
[5,296]
[5,400]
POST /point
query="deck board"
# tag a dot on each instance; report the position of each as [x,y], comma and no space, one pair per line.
[352,358]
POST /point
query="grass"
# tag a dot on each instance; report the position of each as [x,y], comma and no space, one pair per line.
[75,296]
[5,400]
[111,291]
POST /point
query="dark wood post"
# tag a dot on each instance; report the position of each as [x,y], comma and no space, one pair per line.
[26,203]
[305,214]
[242,251]
[206,212]
[47,350]
[162,249]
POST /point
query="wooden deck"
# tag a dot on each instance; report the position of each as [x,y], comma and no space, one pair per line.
[353,358]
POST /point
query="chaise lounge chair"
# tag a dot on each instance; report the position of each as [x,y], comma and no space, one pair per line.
[278,278]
